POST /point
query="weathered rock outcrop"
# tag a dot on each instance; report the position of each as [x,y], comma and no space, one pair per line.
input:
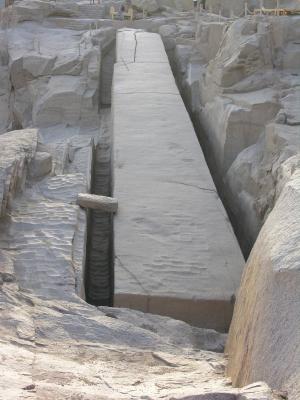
[17,152]
[239,78]
[5,85]
[264,335]
[240,88]
[237,7]
[53,344]
[51,85]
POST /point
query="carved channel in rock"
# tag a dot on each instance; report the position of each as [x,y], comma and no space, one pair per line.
[99,279]
[99,271]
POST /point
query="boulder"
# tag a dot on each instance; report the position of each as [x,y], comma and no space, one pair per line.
[17,150]
[40,165]
[149,6]
[257,176]
[64,102]
[26,68]
[235,122]
[209,36]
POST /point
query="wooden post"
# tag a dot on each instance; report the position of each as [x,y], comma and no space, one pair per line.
[102,203]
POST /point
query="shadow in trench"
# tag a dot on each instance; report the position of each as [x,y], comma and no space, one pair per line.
[99,271]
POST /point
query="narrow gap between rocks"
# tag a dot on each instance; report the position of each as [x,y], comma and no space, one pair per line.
[243,241]
[99,270]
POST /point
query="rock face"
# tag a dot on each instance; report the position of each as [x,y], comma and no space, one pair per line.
[237,8]
[44,224]
[178,332]
[53,344]
[175,253]
[264,335]
[52,86]
[5,86]
[240,82]
[59,350]
[239,79]
[17,151]
[41,165]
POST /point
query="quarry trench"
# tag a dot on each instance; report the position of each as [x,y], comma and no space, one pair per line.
[168,261]
[244,241]
[170,240]
[99,268]
[99,277]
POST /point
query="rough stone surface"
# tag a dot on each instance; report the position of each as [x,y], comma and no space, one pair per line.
[175,252]
[237,7]
[52,84]
[148,5]
[17,150]
[238,78]
[41,164]
[56,346]
[53,344]
[178,332]
[264,335]
[5,85]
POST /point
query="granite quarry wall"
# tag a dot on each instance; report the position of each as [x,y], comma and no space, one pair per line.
[264,335]
[240,80]
[240,83]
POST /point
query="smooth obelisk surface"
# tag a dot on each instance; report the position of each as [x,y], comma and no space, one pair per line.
[175,251]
